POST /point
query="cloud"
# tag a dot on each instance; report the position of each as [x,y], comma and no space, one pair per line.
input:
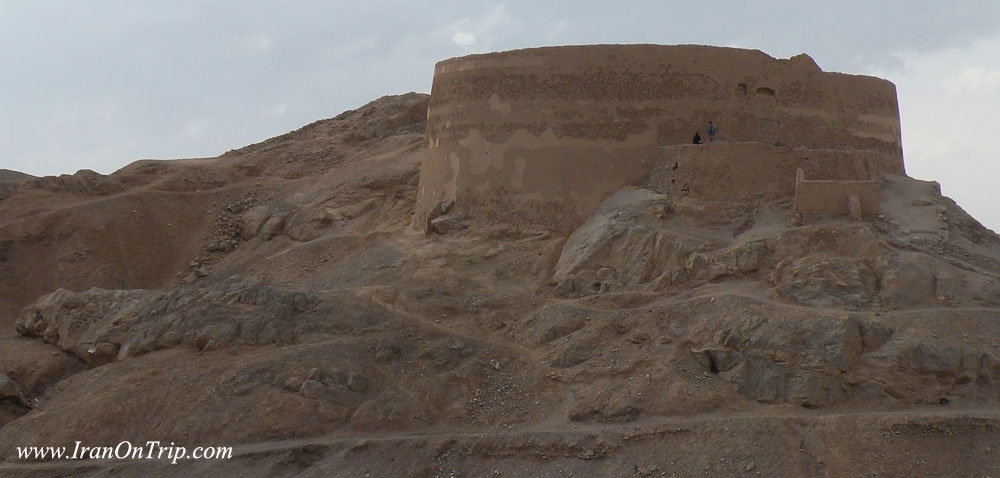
[195,128]
[464,39]
[977,79]
[278,111]
[479,34]
[260,42]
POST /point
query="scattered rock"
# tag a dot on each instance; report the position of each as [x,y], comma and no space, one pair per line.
[387,353]
[646,470]
[9,389]
[449,223]
[293,384]
[828,282]
[603,414]
[99,326]
[573,355]
[312,389]
[308,223]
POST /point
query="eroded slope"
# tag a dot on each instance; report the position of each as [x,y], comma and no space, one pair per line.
[293,310]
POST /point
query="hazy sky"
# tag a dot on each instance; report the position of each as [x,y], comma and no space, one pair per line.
[98,84]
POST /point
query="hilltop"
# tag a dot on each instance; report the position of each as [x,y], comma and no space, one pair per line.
[8,175]
[283,298]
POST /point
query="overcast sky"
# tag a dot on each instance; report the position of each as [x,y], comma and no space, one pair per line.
[98,84]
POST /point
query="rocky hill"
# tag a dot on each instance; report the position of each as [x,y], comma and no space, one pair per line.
[278,299]
[7,175]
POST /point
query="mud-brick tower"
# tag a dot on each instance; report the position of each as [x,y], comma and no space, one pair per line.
[544,134]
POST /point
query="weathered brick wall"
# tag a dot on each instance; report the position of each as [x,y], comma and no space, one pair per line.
[545,134]
[734,171]
[830,198]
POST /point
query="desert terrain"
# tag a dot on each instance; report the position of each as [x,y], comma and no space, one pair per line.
[282,299]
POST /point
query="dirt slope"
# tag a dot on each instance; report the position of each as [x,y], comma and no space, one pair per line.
[277,298]
[7,175]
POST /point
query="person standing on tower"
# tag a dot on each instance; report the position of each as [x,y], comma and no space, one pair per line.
[712,131]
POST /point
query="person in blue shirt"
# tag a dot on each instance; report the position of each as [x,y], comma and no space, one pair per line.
[712,131]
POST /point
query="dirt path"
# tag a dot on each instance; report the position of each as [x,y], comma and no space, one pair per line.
[655,426]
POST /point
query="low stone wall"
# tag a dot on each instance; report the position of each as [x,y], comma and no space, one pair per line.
[738,171]
[834,198]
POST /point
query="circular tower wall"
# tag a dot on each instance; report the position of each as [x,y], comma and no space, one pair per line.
[545,134]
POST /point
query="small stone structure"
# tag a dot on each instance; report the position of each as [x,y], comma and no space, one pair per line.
[544,135]
[856,199]
[739,171]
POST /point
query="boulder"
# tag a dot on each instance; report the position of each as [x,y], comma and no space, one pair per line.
[308,223]
[9,389]
[619,245]
[828,282]
[312,389]
[449,223]
[573,355]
